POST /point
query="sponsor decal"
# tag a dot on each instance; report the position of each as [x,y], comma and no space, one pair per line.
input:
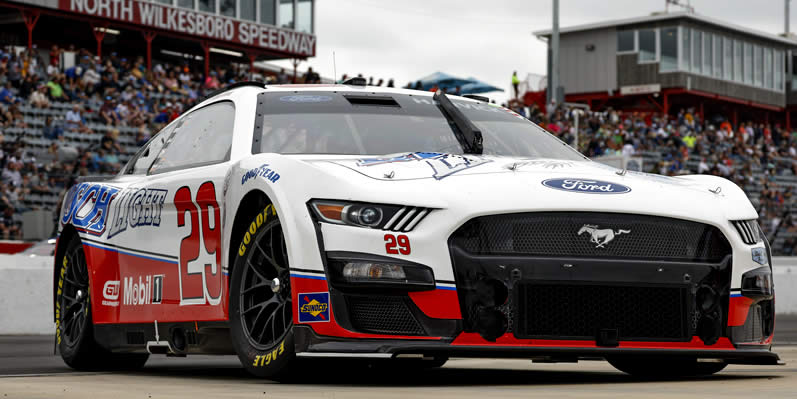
[305,99]
[314,307]
[586,186]
[442,165]
[136,207]
[87,210]
[147,290]
[600,237]
[110,293]
[199,24]
[263,171]
[264,360]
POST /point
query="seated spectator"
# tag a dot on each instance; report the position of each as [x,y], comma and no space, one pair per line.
[108,112]
[9,228]
[74,120]
[56,90]
[39,97]
[51,130]
[6,94]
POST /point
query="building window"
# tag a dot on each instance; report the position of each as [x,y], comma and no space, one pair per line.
[686,49]
[207,6]
[286,14]
[669,49]
[268,12]
[708,55]
[227,8]
[737,61]
[758,66]
[748,63]
[647,45]
[779,68]
[625,41]
[248,10]
[768,68]
[189,4]
[727,58]
[697,51]
[304,16]
[167,2]
[717,56]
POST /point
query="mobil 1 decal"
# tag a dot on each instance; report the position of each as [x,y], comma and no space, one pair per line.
[135,207]
[198,215]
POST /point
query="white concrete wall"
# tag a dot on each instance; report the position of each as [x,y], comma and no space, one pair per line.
[26,292]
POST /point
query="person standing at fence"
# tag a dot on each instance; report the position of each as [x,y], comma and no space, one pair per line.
[515,83]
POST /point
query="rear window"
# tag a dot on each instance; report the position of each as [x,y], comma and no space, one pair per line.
[379,124]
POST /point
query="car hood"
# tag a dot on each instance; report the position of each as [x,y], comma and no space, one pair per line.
[498,182]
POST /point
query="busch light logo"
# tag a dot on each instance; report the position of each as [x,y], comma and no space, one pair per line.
[87,210]
[586,186]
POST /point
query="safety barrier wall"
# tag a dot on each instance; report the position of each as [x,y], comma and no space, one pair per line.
[26,292]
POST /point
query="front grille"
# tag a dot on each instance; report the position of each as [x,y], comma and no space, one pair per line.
[382,315]
[588,234]
[580,311]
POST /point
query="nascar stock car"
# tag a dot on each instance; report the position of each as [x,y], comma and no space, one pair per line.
[280,223]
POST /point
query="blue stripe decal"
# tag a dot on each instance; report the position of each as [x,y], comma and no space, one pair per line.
[440,287]
[308,276]
[735,295]
[129,253]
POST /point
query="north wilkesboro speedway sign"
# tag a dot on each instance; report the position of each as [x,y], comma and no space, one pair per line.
[189,22]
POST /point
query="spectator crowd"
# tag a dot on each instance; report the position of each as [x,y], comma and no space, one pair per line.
[118,96]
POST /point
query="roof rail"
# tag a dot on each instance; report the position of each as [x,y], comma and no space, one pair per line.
[235,86]
[355,81]
[477,98]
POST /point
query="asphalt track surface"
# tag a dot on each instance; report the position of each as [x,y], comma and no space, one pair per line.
[28,369]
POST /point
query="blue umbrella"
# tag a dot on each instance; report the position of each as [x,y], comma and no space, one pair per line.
[475,86]
[443,81]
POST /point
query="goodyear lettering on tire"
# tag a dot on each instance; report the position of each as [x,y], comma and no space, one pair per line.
[264,360]
[259,221]
[61,275]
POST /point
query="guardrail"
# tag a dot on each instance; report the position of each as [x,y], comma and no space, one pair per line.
[26,292]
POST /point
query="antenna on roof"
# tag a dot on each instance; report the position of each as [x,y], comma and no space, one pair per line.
[334,68]
[680,3]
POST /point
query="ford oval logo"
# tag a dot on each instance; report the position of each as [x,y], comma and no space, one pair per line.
[587,186]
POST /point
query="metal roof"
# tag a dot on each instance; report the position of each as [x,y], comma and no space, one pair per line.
[668,16]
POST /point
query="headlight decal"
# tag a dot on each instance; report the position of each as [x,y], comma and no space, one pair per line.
[376,216]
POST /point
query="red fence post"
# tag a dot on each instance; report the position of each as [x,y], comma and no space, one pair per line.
[149,36]
[99,34]
[30,17]
[206,49]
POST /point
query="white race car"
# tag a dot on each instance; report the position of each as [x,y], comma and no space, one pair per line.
[288,222]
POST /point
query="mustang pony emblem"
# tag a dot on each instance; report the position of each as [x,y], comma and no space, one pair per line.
[600,237]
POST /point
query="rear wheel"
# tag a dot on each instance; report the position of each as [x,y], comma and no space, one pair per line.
[261,312]
[74,328]
[664,367]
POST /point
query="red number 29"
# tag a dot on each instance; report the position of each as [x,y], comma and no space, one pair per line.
[206,285]
[401,241]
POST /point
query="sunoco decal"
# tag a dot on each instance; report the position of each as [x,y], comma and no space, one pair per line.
[314,307]
[586,186]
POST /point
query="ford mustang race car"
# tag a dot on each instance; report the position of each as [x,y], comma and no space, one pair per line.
[281,223]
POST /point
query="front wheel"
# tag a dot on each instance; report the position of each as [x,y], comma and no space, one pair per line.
[261,312]
[654,367]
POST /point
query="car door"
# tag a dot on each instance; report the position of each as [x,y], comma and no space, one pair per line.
[170,218]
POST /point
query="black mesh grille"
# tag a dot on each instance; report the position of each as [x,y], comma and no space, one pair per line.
[602,235]
[567,310]
[383,315]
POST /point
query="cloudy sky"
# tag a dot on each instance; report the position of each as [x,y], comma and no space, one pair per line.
[488,39]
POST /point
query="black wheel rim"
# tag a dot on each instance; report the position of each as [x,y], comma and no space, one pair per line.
[266,315]
[74,300]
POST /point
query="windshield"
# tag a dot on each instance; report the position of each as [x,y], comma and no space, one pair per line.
[378,124]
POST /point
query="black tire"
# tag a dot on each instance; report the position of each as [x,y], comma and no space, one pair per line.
[261,320]
[74,327]
[653,367]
